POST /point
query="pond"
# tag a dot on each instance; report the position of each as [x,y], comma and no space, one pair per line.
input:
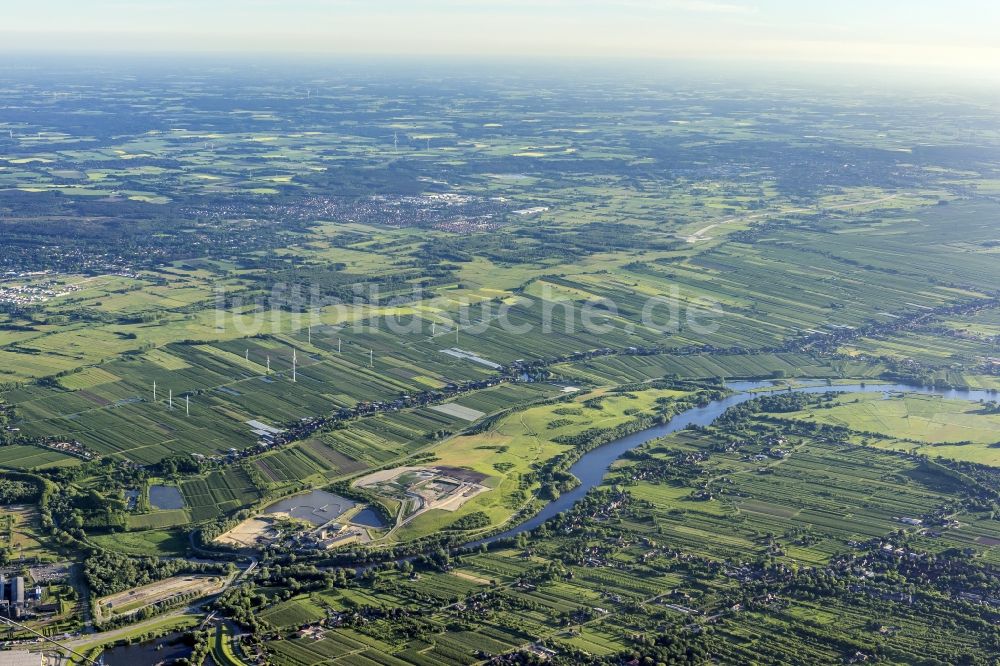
[131,498]
[368,518]
[317,507]
[150,653]
[165,497]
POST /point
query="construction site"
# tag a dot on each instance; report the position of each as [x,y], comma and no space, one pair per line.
[422,489]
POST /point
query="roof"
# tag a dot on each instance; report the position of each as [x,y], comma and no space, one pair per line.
[20,658]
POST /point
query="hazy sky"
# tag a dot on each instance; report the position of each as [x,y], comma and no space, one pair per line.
[950,34]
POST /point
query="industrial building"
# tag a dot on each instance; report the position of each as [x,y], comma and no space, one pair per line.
[12,599]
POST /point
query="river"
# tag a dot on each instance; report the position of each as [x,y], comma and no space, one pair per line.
[591,468]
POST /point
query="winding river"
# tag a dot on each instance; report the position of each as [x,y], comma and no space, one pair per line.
[593,466]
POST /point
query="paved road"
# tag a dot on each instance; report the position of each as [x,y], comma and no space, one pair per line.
[700,234]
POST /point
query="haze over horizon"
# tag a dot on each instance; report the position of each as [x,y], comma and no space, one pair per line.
[962,37]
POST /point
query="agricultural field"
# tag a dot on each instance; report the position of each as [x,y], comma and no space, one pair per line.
[294,613]
[689,531]
[507,454]
[486,475]
[627,369]
[244,312]
[34,457]
[814,499]
[219,493]
[932,349]
[956,345]
[925,425]
[206,394]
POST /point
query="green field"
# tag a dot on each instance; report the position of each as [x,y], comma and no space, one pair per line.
[928,425]
[331,273]
[517,445]
[662,555]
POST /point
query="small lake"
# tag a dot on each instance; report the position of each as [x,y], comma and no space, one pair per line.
[165,649]
[317,507]
[368,518]
[165,497]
